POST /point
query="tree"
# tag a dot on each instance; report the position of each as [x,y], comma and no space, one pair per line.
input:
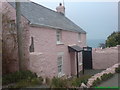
[10,43]
[113,39]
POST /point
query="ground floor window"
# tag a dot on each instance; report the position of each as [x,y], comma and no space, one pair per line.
[80,58]
[60,64]
[31,48]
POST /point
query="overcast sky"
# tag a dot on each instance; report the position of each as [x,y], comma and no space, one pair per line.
[98,19]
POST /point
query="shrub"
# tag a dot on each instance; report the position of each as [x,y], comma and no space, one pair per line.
[117,70]
[48,81]
[28,83]
[17,76]
[105,76]
[22,84]
[96,82]
[76,82]
[36,81]
[58,82]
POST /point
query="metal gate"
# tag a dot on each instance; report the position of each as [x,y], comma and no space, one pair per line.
[87,58]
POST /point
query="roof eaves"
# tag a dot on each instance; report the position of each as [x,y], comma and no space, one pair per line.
[42,25]
[47,26]
[76,25]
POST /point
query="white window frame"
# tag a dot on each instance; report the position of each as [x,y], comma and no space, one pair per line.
[80,58]
[60,55]
[59,36]
[12,27]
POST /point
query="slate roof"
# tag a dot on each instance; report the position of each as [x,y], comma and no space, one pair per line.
[42,16]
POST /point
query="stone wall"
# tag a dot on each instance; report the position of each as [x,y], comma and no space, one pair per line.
[98,75]
[104,58]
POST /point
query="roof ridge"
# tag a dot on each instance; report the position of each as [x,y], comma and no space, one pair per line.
[58,14]
[56,19]
[43,6]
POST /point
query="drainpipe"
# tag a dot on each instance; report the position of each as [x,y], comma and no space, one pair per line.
[77,65]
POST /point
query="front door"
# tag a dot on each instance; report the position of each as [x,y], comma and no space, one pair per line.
[87,58]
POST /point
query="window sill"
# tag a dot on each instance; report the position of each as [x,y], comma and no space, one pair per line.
[80,64]
[60,43]
[61,75]
[79,41]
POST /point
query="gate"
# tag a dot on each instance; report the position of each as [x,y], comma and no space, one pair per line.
[87,58]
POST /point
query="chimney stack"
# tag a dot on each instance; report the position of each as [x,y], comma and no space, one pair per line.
[61,9]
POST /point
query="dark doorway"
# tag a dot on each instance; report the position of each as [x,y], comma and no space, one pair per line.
[87,58]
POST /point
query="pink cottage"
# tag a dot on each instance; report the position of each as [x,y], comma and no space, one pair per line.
[54,42]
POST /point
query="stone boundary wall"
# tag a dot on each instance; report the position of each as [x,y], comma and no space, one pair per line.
[104,58]
[98,75]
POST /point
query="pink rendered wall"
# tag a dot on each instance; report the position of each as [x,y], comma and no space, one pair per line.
[45,43]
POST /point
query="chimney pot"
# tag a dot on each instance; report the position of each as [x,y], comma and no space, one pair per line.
[61,9]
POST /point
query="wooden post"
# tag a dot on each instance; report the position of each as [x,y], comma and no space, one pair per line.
[82,62]
[77,65]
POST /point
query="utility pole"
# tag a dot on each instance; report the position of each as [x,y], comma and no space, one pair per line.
[19,36]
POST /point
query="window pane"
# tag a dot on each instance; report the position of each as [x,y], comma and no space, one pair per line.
[59,69]
[59,64]
[80,58]
[79,37]
[58,38]
[12,26]
[59,60]
[58,35]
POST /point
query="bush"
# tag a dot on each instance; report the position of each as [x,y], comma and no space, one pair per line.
[59,83]
[117,70]
[76,82]
[29,83]
[17,76]
[36,81]
[96,82]
[48,81]
[105,77]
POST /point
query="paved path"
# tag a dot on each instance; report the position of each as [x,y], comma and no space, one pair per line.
[92,71]
[112,82]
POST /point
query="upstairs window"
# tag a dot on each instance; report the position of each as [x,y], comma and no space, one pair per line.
[12,26]
[79,37]
[59,36]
